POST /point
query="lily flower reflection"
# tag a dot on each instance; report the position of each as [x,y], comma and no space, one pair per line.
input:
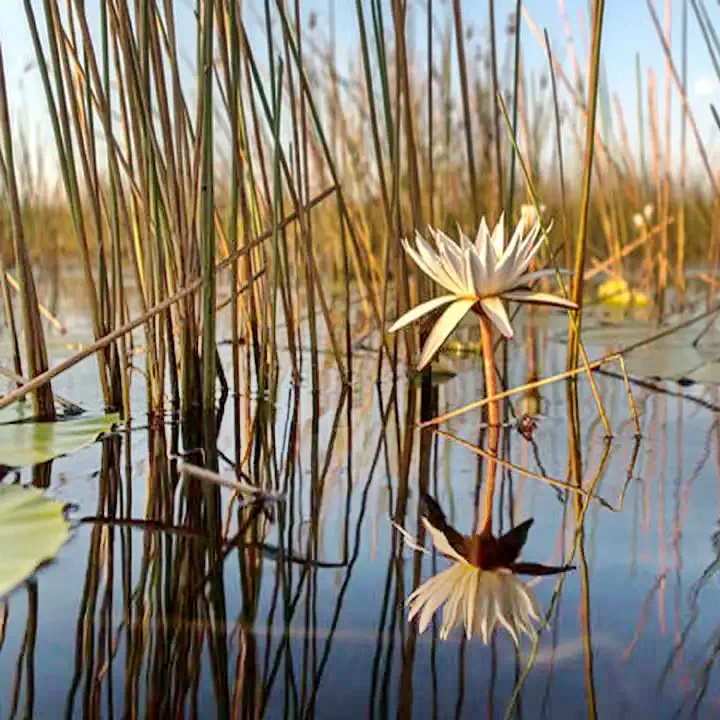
[480,589]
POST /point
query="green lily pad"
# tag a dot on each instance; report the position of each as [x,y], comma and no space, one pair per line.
[33,443]
[33,528]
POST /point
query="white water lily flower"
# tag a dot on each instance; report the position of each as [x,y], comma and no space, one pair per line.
[480,589]
[478,276]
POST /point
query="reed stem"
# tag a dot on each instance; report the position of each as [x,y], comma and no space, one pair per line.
[493,420]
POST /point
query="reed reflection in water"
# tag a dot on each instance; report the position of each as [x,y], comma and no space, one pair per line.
[297,608]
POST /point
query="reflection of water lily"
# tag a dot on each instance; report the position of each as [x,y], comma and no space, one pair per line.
[480,590]
[478,276]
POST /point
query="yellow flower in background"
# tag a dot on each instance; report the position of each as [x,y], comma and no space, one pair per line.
[478,276]
[617,293]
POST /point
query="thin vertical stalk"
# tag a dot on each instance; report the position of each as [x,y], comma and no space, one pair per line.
[430,146]
[640,102]
[496,108]
[399,18]
[558,144]
[681,227]
[35,348]
[580,249]
[516,105]
[467,121]
[207,235]
[10,318]
[233,101]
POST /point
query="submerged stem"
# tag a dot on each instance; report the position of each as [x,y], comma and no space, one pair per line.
[493,419]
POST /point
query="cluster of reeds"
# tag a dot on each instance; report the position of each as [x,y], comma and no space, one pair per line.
[171,174]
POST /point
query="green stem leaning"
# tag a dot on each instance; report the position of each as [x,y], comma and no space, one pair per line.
[493,419]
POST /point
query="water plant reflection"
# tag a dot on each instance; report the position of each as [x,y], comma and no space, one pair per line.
[480,589]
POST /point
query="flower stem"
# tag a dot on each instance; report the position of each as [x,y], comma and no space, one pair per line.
[493,418]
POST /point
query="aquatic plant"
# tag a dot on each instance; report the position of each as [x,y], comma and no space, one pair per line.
[480,589]
[33,528]
[478,276]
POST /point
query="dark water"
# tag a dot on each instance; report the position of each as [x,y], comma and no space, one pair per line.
[308,619]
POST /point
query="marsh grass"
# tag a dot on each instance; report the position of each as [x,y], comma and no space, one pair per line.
[266,164]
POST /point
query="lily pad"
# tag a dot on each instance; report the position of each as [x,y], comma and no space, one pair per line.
[33,528]
[37,442]
[16,412]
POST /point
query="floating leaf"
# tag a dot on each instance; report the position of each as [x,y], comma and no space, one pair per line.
[37,442]
[16,412]
[33,528]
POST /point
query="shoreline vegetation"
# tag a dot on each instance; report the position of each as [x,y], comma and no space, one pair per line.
[238,210]
[170,167]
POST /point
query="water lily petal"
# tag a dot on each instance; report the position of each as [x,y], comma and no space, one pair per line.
[429,262]
[410,541]
[465,241]
[503,605]
[484,619]
[450,611]
[510,251]
[495,310]
[451,577]
[468,268]
[528,249]
[452,261]
[483,235]
[479,274]
[498,237]
[442,544]
[420,595]
[539,298]
[422,309]
[435,263]
[471,602]
[531,568]
[443,327]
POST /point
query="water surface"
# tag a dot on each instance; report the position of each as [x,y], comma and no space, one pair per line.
[304,615]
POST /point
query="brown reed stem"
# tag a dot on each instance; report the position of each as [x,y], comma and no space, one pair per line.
[493,420]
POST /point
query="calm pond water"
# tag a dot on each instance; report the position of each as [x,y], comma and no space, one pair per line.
[308,618]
